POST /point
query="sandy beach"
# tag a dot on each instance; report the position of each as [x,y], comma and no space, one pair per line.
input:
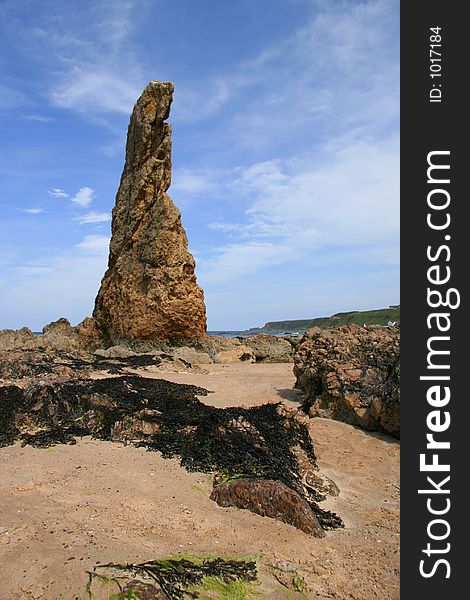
[69,507]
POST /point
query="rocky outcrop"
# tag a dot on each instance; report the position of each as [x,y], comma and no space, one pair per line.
[58,334]
[149,291]
[269,499]
[351,374]
[16,338]
[89,334]
[270,348]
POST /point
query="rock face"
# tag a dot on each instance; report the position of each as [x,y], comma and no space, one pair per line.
[149,291]
[351,374]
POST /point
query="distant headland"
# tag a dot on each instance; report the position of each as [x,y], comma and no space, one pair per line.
[382,316]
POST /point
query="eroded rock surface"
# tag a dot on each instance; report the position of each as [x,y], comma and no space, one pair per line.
[352,374]
[149,290]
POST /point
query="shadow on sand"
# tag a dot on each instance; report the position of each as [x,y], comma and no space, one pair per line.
[290,394]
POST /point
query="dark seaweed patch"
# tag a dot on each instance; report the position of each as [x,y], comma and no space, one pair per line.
[34,363]
[257,442]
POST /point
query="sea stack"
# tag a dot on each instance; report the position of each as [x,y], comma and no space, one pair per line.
[149,291]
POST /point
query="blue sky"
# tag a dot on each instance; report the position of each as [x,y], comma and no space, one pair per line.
[285,150]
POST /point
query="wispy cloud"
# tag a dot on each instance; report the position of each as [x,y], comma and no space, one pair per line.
[39,118]
[96,245]
[96,70]
[204,99]
[33,211]
[10,98]
[190,181]
[93,217]
[58,193]
[335,74]
[84,197]
[64,284]
[96,91]
[240,259]
[343,201]
[333,196]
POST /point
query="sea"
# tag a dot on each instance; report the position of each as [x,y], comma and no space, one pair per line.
[234,334]
[249,333]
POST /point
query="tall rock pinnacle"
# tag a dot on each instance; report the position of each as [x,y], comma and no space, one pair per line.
[149,290]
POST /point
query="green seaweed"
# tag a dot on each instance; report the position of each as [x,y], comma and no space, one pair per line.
[180,577]
[298,583]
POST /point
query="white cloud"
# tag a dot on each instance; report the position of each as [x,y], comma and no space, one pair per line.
[344,202]
[188,181]
[96,91]
[65,286]
[33,211]
[266,175]
[227,227]
[96,70]
[62,283]
[338,73]
[96,245]
[84,197]
[203,100]
[239,260]
[348,197]
[58,193]
[93,217]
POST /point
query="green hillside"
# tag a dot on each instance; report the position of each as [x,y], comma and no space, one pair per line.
[369,317]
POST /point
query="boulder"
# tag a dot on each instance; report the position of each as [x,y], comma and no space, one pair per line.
[239,354]
[214,344]
[192,355]
[270,348]
[115,352]
[269,498]
[149,291]
[351,374]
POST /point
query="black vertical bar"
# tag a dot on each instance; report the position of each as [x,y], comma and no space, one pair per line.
[433,118]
